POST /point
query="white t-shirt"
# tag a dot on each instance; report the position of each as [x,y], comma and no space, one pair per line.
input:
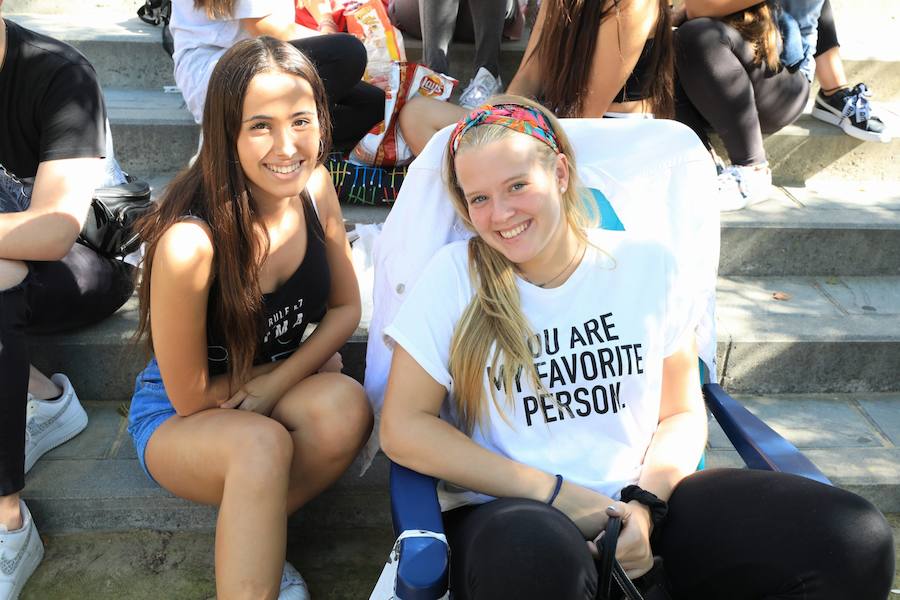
[200,42]
[599,343]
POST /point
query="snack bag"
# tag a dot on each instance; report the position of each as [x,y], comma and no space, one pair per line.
[384,145]
[369,22]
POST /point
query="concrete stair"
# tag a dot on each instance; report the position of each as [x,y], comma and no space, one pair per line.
[128,56]
[819,364]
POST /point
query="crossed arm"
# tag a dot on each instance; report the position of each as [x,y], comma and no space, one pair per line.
[59,204]
[181,279]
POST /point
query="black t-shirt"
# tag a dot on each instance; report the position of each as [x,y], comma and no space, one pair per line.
[51,106]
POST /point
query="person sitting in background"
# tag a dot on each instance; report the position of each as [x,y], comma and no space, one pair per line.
[246,248]
[745,68]
[494,389]
[480,21]
[628,72]
[838,103]
[53,124]
[204,29]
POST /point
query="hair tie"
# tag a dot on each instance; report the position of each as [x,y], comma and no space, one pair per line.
[517,117]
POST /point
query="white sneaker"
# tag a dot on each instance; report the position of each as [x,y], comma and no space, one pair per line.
[292,585]
[52,422]
[740,187]
[483,86]
[21,552]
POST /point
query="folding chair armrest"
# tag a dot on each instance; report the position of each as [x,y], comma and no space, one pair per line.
[423,571]
[759,445]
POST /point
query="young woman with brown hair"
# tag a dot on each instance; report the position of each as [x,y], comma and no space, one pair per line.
[246,248]
[546,372]
[744,68]
[583,59]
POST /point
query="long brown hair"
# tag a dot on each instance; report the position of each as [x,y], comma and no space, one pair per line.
[757,25]
[216,190]
[216,9]
[494,314]
[567,42]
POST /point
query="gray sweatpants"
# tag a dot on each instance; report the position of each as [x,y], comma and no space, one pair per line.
[436,22]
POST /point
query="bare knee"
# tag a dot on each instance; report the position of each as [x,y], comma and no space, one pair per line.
[341,419]
[12,273]
[263,451]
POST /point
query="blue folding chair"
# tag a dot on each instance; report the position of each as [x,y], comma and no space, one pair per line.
[648,174]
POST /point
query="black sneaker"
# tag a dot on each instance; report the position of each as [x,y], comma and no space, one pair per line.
[850,110]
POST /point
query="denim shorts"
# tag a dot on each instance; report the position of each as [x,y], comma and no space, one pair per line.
[150,407]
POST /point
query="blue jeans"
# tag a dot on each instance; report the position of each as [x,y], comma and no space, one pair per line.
[150,407]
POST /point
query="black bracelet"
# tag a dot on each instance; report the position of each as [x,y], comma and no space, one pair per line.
[556,488]
[658,508]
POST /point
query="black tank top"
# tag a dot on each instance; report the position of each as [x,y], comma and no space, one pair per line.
[641,76]
[288,310]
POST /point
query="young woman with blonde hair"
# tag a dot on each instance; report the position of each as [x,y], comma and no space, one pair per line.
[244,251]
[546,372]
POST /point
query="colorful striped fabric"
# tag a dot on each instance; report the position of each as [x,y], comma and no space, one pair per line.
[517,117]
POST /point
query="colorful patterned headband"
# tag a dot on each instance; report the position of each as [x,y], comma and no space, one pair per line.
[512,116]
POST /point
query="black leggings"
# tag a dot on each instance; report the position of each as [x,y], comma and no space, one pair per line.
[720,86]
[56,296]
[735,534]
[355,105]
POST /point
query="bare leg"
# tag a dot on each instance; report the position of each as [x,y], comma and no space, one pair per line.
[240,461]
[40,386]
[830,71]
[259,471]
[329,420]
[422,117]
[10,512]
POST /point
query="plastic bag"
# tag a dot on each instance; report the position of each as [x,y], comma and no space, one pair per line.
[384,145]
[367,20]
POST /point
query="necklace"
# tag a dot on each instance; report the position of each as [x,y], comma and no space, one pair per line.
[579,252]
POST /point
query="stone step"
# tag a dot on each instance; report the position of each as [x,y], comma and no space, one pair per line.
[808,334]
[844,228]
[94,482]
[853,438]
[128,53]
[143,564]
[827,334]
[125,51]
[808,151]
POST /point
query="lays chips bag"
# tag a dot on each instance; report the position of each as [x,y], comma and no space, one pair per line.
[384,144]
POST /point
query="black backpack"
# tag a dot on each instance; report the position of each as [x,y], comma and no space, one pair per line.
[159,12]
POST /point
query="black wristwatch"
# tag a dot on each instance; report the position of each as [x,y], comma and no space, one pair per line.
[658,508]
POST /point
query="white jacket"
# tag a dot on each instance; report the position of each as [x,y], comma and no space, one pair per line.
[656,175]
